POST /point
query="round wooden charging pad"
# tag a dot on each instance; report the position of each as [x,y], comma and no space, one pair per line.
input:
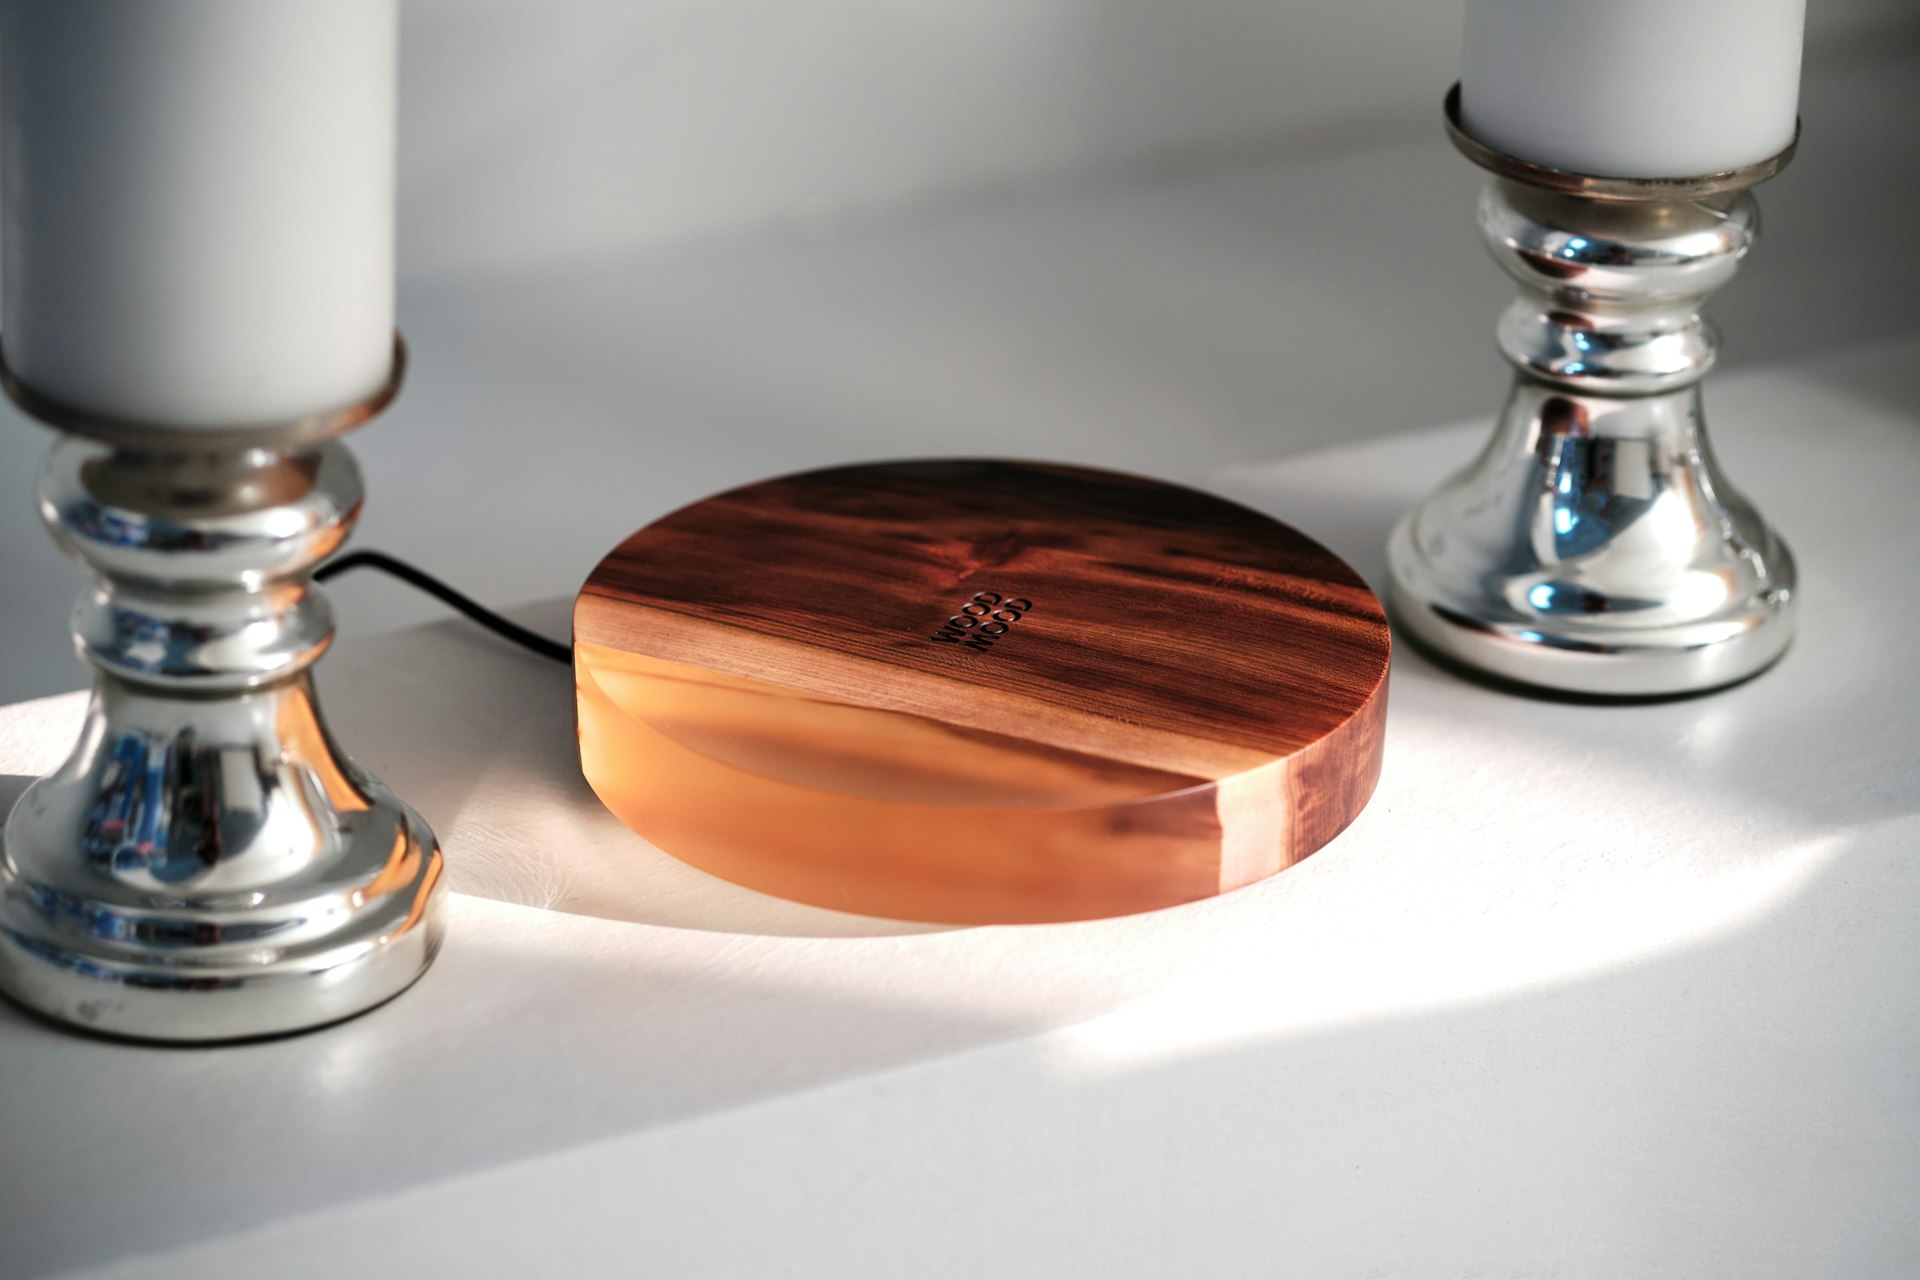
[979,691]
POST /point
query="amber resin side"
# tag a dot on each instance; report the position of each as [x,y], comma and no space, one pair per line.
[980,691]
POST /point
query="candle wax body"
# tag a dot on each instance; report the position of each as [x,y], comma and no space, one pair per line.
[1633,88]
[198,205]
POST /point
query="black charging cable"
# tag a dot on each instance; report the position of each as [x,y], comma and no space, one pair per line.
[440,591]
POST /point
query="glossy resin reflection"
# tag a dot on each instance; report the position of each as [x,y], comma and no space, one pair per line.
[980,691]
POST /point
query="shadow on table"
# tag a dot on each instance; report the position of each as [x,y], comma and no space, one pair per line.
[479,736]
[1364,1088]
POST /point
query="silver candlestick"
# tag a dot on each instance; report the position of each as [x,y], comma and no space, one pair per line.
[1594,546]
[207,864]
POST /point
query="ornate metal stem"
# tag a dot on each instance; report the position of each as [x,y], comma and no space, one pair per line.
[1595,546]
[207,864]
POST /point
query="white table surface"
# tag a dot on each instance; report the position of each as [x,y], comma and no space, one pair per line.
[1586,991]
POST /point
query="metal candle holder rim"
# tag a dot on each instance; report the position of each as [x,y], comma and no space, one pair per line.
[1597,187]
[131,433]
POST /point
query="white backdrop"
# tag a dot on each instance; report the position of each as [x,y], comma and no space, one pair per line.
[545,132]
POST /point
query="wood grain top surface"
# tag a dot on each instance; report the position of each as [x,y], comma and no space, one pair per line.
[989,636]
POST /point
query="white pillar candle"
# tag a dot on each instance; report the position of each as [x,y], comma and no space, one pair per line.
[1633,88]
[196,204]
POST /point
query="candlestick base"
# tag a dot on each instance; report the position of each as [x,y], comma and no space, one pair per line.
[213,877]
[1595,547]
[207,865]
